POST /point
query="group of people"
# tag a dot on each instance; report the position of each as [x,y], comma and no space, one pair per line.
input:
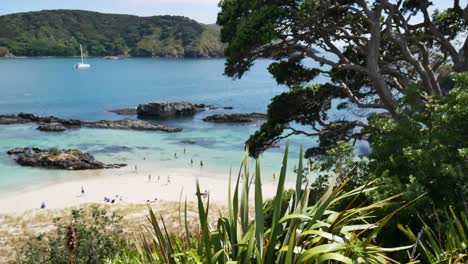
[159,177]
[109,200]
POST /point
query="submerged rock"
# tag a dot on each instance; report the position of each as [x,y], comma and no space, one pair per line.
[53,158]
[235,118]
[188,142]
[52,123]
[167,109]
[125,111]
[51,127]
[113,149]
[213,107]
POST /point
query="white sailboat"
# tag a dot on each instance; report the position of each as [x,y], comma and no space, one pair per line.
[82,65]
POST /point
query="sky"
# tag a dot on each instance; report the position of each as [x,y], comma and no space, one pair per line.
[203,11]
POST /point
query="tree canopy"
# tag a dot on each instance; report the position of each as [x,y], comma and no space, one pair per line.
[401,63]
[60,32]
[374,54]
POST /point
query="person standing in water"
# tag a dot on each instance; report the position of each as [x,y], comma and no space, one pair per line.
[201,163]
[191,162]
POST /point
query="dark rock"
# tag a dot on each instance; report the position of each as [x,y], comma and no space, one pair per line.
[58,159]
[12,119]
[188,142]
[235,118]
[51,127]
[167,109]
[125,111]
[131,124]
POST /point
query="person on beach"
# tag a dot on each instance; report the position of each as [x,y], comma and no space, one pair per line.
[201,163]
[149,178]
[204,194]
[175,155]
[43,205]
[136,168]
[159,177]
[168,179]
[191,162]
[274,177]
[82,191]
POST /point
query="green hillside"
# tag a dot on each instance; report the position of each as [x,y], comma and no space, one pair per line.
[60,32]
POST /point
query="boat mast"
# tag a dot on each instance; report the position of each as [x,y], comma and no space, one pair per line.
[81,50]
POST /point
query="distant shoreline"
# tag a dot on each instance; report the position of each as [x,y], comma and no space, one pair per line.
[103,57]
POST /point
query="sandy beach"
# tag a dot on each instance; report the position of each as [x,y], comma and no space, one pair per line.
[124,186]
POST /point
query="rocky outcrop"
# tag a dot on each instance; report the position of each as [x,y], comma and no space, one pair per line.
[51,127]
[52,123]
[58,159]
[167,109]
[23,118]
[125,111]
[235,118]
[131,124]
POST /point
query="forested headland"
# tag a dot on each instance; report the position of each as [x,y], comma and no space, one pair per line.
[60,33]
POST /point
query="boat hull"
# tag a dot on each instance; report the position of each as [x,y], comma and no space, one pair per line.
[82,66]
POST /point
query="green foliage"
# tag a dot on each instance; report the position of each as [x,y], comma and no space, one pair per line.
[303,233]
[304,106]
[60,32]
[54,151]
[425,151]
[447,244]
[91,236]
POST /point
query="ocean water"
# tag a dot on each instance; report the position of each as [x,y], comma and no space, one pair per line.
[52,87]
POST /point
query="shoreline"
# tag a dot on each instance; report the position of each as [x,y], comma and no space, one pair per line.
[107,57]
[134,188]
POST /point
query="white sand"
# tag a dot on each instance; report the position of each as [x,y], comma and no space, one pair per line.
[133,187]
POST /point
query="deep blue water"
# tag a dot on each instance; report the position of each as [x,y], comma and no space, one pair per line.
[53,87]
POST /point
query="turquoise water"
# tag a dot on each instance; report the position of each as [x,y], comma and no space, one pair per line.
[53,87]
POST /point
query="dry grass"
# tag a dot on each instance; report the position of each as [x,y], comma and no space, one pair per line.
[17,230]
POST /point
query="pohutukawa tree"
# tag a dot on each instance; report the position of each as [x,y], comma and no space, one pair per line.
[375,53]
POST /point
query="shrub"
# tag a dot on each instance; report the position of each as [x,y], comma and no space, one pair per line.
[3,51]
[54,152]
[91,236]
